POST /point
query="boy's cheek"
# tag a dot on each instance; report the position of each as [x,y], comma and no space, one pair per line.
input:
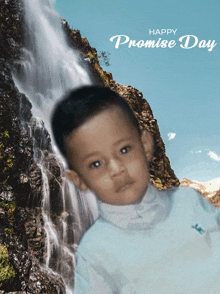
[99,181]
[106,180]
[138,166]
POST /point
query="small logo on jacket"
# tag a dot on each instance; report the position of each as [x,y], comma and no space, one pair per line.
[198,229]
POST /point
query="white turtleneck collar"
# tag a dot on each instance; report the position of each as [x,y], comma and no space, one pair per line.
[154,208]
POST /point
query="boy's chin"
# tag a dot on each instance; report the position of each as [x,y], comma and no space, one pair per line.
[123,203]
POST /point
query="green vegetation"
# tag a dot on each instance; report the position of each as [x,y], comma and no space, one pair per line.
[158,184]
[7,271]
[10,231]
[6,134]
[90,54]
[97,68]
[5,181]
[6,157]
[102,76]
[9,163]
[9,208]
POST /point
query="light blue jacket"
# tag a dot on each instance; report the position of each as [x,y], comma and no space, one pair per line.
[167,244]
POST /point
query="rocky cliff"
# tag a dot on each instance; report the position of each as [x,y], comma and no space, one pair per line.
[22,233]
[210,189]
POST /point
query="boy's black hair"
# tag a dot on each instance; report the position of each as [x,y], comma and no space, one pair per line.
[81,104]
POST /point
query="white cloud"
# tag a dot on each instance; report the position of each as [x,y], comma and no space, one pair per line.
[196,152]
[214,156]
[171,136]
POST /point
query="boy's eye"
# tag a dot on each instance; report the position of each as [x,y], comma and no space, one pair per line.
[125,149]
[96,164]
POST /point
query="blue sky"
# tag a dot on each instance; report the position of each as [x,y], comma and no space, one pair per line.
[181,85]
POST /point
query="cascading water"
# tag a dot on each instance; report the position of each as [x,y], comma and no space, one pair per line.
[49,68]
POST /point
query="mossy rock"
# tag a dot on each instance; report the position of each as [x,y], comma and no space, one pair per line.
[9,208]
[158,184]
[7,272]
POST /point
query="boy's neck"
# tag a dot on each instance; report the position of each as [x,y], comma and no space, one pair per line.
[153,209]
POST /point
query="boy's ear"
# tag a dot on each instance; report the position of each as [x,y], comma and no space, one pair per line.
[147,141]
[76,179]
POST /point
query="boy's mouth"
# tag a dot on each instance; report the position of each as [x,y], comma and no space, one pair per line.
[124,186]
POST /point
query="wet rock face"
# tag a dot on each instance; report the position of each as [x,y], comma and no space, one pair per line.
[42,282]
[11,35]
[17,292]
[35,233]
[21,221]
[41,137]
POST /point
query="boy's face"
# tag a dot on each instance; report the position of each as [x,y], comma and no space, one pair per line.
[110,158]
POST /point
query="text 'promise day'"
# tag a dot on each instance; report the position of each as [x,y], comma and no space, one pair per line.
[186,42]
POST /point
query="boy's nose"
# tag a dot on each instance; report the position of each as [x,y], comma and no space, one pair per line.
[116,167]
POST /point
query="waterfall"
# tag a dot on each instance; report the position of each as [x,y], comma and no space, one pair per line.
[47,69]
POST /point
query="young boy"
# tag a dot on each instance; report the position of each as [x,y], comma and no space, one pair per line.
[145,240]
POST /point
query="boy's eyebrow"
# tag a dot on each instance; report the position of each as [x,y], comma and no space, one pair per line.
[122,140]
[90,155]
[97,153]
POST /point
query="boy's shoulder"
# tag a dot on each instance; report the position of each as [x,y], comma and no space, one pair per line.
[182,191]
[182,197]
[188,201]
[190,196]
